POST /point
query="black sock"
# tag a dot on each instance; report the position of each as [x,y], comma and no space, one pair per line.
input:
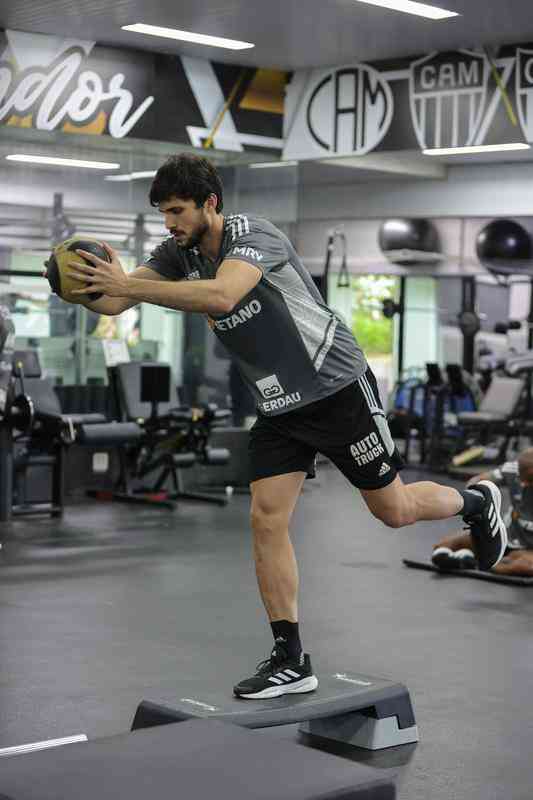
[473,502]
[288,636]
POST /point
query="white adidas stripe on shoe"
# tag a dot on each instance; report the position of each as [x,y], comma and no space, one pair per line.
[284,677]
[305,685]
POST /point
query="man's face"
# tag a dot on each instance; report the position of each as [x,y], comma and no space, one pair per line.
[184,221]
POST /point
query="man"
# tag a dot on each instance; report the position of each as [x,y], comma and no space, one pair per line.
[455,552]
[313,389]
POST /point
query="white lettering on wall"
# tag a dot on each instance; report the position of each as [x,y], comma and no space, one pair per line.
[43,89]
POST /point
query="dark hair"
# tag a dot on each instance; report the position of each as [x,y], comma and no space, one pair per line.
[189,177]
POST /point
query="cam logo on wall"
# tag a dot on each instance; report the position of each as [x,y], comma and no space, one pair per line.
[448,96]
[348,111]
[446,99]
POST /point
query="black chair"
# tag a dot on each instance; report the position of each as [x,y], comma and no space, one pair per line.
[174,437]
[487,432]
[445,400]
[498,409]
[36,434]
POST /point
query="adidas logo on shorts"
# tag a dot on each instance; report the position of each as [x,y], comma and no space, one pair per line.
[383,470]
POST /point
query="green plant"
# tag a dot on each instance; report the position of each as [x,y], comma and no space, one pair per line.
[374,334]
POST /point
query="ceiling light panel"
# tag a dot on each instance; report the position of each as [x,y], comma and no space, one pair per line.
[410,7]
[132,176]
[61,162]
[187,36]
[270,164]
[482,148]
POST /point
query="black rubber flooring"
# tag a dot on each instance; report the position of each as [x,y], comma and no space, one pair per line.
[118,603]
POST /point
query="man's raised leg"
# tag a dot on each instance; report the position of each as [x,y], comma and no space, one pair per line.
[400,504]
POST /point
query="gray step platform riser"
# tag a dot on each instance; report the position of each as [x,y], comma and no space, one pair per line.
[361,731]
[365,712]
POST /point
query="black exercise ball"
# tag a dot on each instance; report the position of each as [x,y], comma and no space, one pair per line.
[409,241]
[504,247]
[57,268]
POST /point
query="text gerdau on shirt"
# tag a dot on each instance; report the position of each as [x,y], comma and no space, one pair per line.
[291,348]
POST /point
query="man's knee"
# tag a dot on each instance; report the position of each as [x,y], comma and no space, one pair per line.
[393,517]
[267,520]
[398,514]
[395,506]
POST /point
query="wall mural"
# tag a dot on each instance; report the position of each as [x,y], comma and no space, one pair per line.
[76,86]
[438,100]
[448,99]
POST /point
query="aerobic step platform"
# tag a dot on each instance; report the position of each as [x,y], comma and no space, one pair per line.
[367,712]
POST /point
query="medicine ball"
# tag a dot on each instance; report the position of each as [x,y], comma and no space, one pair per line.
[409,241]
[57,267]
[504,247]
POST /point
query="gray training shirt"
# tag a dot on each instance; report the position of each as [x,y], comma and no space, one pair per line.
[291,349]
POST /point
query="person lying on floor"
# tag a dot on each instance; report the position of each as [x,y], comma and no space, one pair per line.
[455,550]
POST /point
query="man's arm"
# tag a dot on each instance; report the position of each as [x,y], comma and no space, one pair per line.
[234,280]
[112,306]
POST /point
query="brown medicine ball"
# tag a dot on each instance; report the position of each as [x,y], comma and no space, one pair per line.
[57,267]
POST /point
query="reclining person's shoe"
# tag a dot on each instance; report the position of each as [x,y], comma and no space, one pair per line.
[465,559]
[449,560]
[444,558]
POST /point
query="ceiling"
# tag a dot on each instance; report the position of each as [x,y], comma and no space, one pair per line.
[288,34]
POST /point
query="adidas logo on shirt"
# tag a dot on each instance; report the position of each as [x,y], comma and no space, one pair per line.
[383,470]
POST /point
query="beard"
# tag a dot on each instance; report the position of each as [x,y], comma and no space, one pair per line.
[194,239]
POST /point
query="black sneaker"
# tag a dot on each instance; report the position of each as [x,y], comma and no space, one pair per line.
[449,560]
[279,675]
[444,558]
[466,559]
[489,534]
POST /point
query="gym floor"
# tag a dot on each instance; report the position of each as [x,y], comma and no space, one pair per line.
[118,603]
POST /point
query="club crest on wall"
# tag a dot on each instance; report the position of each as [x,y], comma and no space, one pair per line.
[448,96]
[524,90]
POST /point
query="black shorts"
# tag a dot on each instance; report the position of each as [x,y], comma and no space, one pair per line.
[349,428]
